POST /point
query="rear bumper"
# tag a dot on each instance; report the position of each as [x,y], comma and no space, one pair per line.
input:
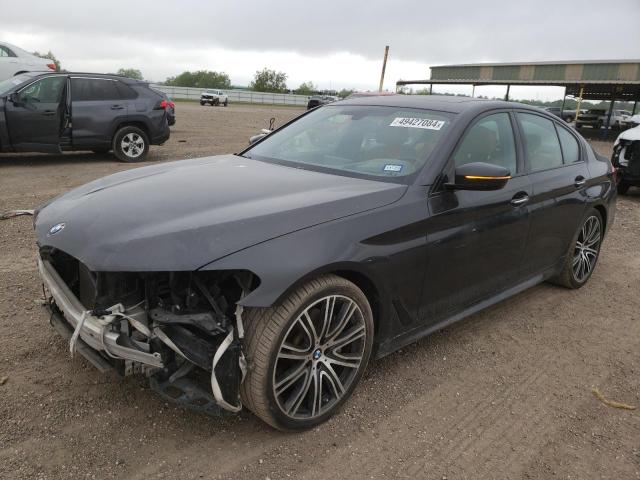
[96,333]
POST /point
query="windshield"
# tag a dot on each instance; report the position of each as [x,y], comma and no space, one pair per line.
[9,83]
[362,140]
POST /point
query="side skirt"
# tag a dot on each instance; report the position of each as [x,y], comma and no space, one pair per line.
[411,336]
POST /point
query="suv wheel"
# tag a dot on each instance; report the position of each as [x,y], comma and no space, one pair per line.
[307,354]
[583,253]
[226,102]
[215,103]
[130,144]
[202,103]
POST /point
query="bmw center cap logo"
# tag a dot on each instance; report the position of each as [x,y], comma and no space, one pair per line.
[57,228]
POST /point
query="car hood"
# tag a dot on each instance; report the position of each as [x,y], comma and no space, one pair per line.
[183,215]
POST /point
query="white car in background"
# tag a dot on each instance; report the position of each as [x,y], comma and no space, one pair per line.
[14,60]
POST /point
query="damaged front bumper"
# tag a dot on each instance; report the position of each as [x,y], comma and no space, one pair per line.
[201,372]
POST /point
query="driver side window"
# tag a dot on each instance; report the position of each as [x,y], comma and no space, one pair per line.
[47,90]
[490,140]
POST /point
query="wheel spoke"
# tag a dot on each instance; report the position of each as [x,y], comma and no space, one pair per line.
[346,313]
[348,361]
[291,378]
[329,307]
[307,325]
[294,402]
[351,336]
[334,380]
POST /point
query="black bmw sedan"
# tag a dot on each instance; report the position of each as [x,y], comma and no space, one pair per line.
[271,278]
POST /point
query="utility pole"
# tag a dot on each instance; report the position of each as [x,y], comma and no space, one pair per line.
[384,67]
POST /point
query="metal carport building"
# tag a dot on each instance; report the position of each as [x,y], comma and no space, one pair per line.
[611,80]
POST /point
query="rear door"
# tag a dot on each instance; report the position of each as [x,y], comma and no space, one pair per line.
[97,106]
[36,120]
[556,167]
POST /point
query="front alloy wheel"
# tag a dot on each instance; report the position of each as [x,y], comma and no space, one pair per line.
[319,357]
[307,355]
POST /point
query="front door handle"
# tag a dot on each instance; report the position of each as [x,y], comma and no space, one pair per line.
[580,181]
[519,199]
[49,113]
[117,107]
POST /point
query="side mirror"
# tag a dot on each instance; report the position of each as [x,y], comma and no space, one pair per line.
[480,176]
[14,98]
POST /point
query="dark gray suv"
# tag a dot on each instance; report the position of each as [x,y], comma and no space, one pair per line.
[53,112]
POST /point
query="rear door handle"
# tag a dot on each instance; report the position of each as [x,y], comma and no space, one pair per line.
[519,199]
[117,107]
[580,181]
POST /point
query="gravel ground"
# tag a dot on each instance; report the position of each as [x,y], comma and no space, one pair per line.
[505,393]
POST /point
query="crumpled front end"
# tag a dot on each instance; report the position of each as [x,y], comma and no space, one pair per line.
[626,158]
[183,330]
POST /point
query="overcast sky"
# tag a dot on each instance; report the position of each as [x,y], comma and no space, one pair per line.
[336,44]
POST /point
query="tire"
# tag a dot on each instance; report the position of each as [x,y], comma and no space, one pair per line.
[623,188]
[599,125]
[202,103]
[215,103]
[295,405]
[136,138]
[570,276]
[226,102]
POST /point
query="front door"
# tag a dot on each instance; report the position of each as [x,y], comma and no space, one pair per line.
[36,116]
[476,239]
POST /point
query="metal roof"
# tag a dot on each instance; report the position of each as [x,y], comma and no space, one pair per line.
[598,79]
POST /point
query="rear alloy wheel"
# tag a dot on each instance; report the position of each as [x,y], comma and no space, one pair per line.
[584,252]
[307,355]
[130,144]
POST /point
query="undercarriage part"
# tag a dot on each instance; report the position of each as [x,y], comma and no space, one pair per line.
[225,373]
[186,393]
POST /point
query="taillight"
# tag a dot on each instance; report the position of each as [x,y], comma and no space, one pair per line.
[162,105]
[172,105]
[51,66]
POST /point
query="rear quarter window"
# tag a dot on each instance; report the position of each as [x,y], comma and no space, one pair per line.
[570,146]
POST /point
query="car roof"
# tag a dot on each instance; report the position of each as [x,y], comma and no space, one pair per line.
[108,76]
[444,103]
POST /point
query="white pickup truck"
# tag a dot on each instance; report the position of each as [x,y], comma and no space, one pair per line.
[214,98]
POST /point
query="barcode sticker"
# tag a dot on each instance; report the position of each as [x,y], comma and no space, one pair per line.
[417,123]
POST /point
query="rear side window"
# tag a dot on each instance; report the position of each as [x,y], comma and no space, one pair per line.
[90,89]
[541,143]
[570,147]
[490,140]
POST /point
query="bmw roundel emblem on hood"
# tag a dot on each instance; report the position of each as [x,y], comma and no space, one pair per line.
[57,228]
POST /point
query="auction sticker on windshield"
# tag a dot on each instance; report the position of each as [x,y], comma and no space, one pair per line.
[417,123]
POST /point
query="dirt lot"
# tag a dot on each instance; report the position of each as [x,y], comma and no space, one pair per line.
[505,394]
